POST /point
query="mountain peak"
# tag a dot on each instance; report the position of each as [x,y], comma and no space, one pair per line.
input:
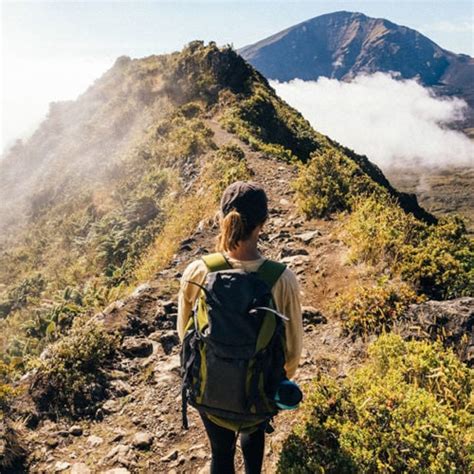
[343,44]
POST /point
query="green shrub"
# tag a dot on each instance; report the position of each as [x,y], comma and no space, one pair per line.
[377,231]
[7,392]
[227,165]
[329,183]
[19,296]
[71,380]
[373,308]
[437,259]
[267,124]
[407,409]
[442,263]
[189,137]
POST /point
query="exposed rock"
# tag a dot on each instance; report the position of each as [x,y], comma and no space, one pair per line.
[120,388]
[80,468]
[283,234]
[137,347]
[169,307]
[295,259]
[142,440]
[171,456]
[185,244]
[169,340]
[61,466]
[309,236]
[75,430]
[206,469]
[136,325]
[172,365]
[119,450]
[52,442]
[119,434]
[110,406]
[140,289]
[313,315]
[451,320]
[94,441]
[117,470]
[289,252]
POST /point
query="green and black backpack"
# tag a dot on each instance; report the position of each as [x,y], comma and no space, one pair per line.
[233,353]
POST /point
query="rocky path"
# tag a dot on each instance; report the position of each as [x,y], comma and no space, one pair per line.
[138,430]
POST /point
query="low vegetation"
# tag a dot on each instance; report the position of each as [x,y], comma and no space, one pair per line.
[330,182]
[373,308]
[437,259]
[407,409]
[70,380]
[47,277]
[227,165]
[267,124]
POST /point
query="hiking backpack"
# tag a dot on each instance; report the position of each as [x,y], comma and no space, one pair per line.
[233,352]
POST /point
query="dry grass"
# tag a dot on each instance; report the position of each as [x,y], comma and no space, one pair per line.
[184,216]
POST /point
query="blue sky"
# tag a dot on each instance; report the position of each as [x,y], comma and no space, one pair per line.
[54,50]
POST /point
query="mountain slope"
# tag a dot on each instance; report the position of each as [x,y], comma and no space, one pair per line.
[109,247]
[143,399]
[343,44]
[94,197]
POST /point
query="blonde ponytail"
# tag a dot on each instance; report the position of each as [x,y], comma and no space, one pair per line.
[232,230]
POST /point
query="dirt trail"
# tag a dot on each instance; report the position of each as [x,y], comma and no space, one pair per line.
[140,430]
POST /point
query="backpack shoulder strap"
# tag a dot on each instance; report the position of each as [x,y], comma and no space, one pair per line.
[269,271]
[216,262]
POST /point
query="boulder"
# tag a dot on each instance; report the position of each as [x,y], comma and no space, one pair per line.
[80,468]
[142,440]
[452,321]
[139,290]
[61,466]
[75,430]
[137,347]
[110,406]
[307,237]
[120,388]
[169,340]
[312,315]
[171,456]
[169,307]
[290,252]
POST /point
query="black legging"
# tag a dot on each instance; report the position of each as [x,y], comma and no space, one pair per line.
[223,448]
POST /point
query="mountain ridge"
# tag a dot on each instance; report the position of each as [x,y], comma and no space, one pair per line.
[89,281]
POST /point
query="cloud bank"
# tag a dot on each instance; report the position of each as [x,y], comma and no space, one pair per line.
[29,85]
[393,122]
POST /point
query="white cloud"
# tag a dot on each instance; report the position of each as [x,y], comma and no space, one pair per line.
[30,84]
[393,122]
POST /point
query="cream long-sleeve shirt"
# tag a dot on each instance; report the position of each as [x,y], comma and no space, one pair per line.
[285,292]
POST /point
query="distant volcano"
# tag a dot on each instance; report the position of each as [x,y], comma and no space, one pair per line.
[343,44]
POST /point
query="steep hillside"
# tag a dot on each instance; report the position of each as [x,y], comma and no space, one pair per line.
[92,193]
[89,363]
[344,44]
[137,427]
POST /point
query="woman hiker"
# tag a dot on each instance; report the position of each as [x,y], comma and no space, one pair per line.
[243,212]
